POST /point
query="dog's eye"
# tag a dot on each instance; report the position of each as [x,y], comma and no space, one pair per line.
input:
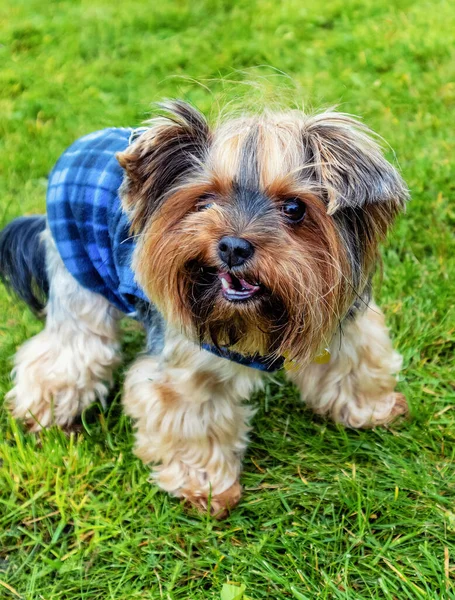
[205,202]
[294,210]
[201,207]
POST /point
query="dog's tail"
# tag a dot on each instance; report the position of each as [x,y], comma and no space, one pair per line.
[23,260]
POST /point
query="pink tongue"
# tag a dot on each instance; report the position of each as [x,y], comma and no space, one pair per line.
[248,286]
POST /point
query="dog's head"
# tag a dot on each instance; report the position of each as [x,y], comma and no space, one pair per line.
[261,233]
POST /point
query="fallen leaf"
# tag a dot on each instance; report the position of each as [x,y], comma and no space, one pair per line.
[232,592]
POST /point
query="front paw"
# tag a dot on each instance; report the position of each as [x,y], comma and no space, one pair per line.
[216,489]
[220,504]
[380,412]
[40,403]
[400,408]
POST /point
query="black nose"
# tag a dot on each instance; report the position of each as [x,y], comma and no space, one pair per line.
[234,251]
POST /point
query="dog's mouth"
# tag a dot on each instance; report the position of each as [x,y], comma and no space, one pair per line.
[236,289]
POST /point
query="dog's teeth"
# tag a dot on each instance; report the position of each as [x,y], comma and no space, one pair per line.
[225,283]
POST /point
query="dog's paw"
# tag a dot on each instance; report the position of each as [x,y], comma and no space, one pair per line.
[220,504]
[55,381]
[42,405]
[397,407]
[400,408]
[371,412]
[216,489]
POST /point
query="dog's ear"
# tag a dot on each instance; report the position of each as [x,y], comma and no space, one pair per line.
[349,165]
[172,148]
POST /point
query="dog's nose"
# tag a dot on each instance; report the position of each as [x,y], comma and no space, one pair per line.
[234,251]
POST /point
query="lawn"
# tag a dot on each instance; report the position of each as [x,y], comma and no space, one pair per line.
[327,512]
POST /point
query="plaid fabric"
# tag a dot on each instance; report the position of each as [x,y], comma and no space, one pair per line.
[92,232]
[86,219]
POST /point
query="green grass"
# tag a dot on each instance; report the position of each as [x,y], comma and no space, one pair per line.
[327,513]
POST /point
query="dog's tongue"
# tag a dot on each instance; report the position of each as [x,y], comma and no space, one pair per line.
[249,286]
[235,287]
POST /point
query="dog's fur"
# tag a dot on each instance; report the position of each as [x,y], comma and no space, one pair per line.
[186,186]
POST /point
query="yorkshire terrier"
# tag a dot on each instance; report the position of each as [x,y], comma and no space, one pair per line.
[242,249]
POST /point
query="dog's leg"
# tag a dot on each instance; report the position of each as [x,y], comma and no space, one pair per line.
[357,386]
[69,365]
[190,421]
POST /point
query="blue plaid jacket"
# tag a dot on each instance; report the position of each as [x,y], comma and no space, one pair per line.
[91,231]
[86,219]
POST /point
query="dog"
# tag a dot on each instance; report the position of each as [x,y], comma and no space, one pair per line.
[242,248]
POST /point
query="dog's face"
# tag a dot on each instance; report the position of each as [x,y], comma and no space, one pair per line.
[260,234]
